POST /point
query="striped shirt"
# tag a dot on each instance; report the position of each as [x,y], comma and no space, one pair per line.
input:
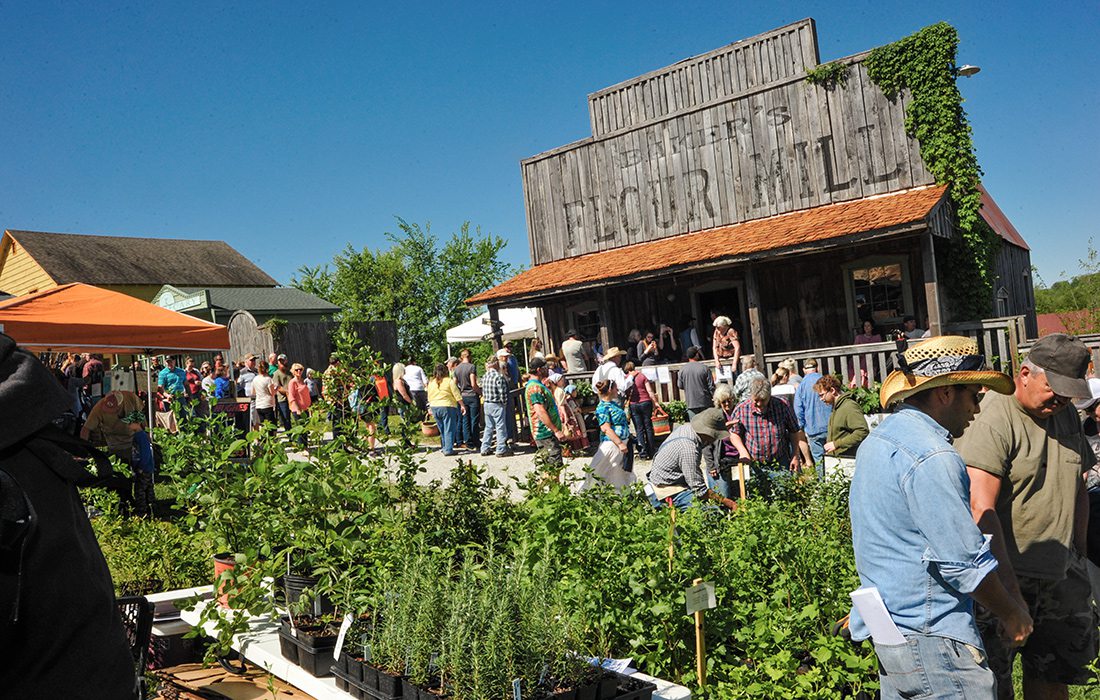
[677,461]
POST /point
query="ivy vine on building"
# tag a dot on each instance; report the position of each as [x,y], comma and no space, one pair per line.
[924,64]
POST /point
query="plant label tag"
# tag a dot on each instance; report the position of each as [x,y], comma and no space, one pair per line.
[344,627]
[293,627]
[367,655]
[517,693]
[700,597]
[432,663]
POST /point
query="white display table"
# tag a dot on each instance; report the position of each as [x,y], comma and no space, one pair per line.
[260,645]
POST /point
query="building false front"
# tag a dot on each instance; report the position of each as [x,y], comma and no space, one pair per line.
[728,182]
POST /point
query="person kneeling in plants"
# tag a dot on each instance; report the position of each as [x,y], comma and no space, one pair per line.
[913,534]
[142,463]
[676,476]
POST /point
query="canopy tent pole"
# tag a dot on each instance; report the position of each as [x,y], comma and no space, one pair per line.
[149,390]
[526,356]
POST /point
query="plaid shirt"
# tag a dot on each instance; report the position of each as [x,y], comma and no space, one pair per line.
[767,434]
[677,461]
[494,387]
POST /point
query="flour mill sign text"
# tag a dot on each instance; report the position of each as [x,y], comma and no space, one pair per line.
[777,148]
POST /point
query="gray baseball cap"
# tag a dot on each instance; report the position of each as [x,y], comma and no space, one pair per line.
[1065,360]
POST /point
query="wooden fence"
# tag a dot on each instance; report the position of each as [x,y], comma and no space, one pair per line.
[999,339]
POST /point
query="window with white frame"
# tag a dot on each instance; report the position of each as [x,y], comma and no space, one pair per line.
[878,289]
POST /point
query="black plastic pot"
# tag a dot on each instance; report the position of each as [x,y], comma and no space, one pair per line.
[295,586]
[311,653]
[389,685]
[631,688]
[605,689]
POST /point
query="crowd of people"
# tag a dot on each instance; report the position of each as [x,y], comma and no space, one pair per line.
[975,505]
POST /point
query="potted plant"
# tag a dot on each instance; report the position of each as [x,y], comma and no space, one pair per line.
[586,396]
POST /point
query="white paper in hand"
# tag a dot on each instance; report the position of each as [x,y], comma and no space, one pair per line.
[877,618]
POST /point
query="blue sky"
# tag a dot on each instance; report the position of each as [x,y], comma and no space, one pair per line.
[290,131]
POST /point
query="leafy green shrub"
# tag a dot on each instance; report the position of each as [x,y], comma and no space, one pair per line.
[677,411]
[147,555]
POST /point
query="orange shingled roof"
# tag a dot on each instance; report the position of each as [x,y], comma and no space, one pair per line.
[727,242]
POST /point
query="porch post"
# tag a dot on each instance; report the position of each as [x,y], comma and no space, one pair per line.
[752,295]
[931,284]
[540,332]
[605,319]
[498,335]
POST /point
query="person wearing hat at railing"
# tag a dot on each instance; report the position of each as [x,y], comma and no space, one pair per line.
[912,532]
[1027,456]
[611,371]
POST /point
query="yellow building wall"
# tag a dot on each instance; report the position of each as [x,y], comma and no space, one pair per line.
[19,273]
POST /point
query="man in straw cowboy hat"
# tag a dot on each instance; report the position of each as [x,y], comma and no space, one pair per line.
[912,531]
[611,370]
[1027,456]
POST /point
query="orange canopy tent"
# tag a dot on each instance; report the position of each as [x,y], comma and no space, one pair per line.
[80,317]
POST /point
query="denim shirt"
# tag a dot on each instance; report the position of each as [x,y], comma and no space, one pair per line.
[812,413]
[913,534]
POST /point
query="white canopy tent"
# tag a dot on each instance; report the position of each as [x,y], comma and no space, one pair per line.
[517,324]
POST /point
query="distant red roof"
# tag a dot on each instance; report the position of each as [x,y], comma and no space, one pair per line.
[727,242]
[1072,322]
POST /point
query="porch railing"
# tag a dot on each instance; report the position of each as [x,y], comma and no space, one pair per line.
[999,339]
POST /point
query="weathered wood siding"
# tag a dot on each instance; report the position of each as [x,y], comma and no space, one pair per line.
[713,77]
[775,144]
[19,273]
[802,300]
[1013,274]
[307,342]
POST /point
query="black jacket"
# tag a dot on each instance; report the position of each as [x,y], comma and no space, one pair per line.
[60,632]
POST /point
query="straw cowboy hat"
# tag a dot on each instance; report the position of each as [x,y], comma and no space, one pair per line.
[941,361]
[612,353]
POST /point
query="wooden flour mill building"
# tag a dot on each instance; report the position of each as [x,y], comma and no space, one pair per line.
[728,181]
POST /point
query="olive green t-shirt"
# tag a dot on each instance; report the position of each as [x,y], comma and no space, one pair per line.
[1040,463]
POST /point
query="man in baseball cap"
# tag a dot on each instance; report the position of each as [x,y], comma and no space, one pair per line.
[1026,454]
[675,477]
[914,539]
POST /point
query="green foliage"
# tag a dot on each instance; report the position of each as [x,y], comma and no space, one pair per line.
[146,555]
[1076,300]
[677,411]
[416,283]
[867,398]
[924,64]
[465,581]
[277,327]
[828,75]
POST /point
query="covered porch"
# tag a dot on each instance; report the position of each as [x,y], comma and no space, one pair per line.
[791,283]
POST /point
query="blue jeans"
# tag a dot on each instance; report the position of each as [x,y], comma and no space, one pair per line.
[680,500]
[494,423]
[817,452]
[934,667]
[510,416]
[469,421]
[282,408]
[641,414]
[723,483]
[446,417]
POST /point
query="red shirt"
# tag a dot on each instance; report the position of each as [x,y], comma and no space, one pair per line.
[641,395]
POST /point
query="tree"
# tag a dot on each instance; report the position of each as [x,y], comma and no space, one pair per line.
[1077,300]
[419,285]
